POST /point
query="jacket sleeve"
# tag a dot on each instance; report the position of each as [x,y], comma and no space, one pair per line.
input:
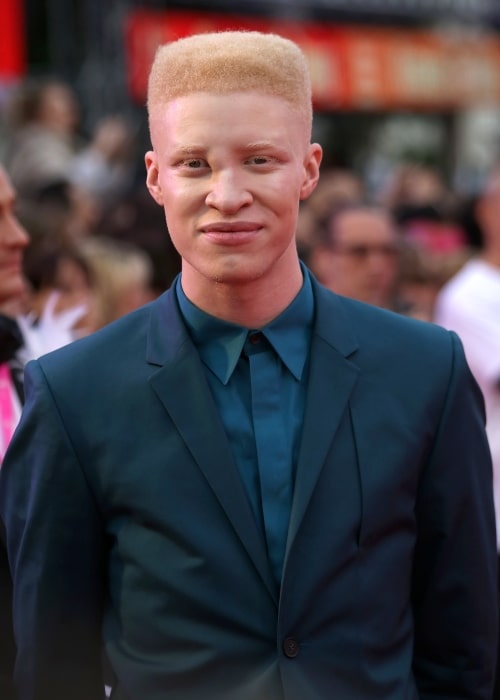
[55,545]
[455,569]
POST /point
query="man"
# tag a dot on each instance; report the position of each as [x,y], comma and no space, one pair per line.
[251,488]
[19,339]
[13,241]
[469,304]
[22,338]
[13,295]
[358,254]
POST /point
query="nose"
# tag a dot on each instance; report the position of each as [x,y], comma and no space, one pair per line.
[377,261]
[14,233]
[228,191]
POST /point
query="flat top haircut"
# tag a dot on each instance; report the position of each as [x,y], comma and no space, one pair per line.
[232,61]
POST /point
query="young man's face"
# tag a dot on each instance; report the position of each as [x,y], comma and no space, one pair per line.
[230,171]
[13,240]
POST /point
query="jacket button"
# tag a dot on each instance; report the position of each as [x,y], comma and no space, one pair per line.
[291,647]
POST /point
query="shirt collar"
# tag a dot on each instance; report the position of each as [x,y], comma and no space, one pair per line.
[220,342]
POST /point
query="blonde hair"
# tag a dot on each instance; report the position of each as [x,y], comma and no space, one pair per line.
[232,61]
[121,274]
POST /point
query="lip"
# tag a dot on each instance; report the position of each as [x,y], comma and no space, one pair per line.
[230,227]
[231,233]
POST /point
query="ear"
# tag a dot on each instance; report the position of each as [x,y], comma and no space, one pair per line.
[152,177]
[312,161]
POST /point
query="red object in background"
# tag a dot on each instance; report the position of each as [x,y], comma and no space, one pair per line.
[12,40]
[352,67]
[436,237]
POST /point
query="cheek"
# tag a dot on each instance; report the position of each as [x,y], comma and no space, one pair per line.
[179,199]
[340,265]
[285,208]
[179,233]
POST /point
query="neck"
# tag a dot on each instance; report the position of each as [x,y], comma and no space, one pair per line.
[251,304]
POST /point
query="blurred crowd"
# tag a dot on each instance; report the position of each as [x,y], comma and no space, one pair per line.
[98,246]
[95,232]
[95,236]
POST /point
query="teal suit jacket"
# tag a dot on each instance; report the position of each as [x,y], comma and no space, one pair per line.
[127,522]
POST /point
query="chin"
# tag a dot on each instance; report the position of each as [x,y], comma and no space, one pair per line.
[241,273]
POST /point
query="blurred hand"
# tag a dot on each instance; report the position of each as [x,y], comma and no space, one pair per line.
[54,328]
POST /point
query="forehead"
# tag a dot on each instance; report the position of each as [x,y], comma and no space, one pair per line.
[208,115]
[364,225]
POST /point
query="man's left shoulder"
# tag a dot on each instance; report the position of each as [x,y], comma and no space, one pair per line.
[381,329]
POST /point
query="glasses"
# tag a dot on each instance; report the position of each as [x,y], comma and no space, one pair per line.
[363,252]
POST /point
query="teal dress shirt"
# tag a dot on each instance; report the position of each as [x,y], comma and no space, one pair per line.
[258,378]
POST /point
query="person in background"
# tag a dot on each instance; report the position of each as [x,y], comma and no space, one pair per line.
[420,278]
[43,120]
[136,219]
[469,304]
[357,254]
[250,488]
[27,329]
[13,303]
[13,241]
[60,279]
[104,167]
[337,188]
[21,339]
[122,277]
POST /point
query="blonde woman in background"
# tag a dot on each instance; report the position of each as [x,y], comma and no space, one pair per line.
[122,275]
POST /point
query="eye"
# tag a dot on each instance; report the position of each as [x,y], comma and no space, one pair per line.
[259,160]
[194,163]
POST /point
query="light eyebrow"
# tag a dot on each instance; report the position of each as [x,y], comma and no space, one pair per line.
[261,145]
[271,148]
[188,149]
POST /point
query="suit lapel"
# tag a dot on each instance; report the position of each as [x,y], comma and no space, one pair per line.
[181,386]
[332,377]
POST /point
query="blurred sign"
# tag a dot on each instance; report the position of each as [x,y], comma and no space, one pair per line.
[352,67]
[12,40]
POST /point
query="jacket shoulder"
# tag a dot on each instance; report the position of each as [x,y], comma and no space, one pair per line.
[115,343]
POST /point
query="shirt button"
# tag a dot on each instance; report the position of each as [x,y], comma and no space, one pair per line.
[291,647]
[255,338]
